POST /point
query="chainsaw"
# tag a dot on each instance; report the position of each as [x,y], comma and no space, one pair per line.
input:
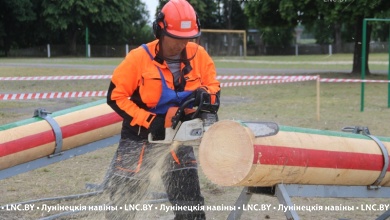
[184,124]
[187,126]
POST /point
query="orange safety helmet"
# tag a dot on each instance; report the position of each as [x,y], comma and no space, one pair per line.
[177,19]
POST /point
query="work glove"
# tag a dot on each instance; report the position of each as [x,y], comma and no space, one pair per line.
[157,128]
[198,94]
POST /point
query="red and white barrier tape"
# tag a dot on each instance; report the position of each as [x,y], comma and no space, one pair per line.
[256,80]
[262,82]
[84,77]
[238,77]
[353,80]
[222,77]
[52,95]
[22,78]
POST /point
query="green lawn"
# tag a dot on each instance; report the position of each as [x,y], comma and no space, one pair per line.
[343,62]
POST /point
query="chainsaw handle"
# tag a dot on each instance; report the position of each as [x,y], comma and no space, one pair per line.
[209,107]
[205,106]
[180,111]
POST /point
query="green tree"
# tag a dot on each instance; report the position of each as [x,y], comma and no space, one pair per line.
[277,36]
[333,14]
[218,14]
[16,18]
[351,13]
[131,27]
[266,16]
[210,17]
[121,19]
[233,16]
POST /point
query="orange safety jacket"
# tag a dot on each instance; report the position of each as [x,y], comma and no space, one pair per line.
[136,84]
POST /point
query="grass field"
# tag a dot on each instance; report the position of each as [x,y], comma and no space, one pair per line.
[377,62]
[292,104]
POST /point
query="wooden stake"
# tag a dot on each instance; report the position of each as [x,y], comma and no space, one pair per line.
[318,97]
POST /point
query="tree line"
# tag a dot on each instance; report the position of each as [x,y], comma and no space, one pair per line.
[27,23]
[329,20]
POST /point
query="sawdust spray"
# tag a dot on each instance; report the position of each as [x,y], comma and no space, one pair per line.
[143,203]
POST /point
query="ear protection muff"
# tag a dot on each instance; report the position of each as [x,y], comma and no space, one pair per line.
[197,21]
[156,27]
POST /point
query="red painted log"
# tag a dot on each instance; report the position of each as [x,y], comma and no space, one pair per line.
[230,155]
[31,139]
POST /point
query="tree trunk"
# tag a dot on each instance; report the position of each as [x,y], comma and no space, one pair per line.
[229,26]
[72,41]
[7,45]
[357,55]
[337,37]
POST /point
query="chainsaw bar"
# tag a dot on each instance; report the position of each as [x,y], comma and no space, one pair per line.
[262,129]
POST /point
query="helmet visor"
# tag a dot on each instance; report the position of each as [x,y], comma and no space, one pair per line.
[183,34]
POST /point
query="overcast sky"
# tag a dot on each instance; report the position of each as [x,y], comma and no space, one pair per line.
[151,5]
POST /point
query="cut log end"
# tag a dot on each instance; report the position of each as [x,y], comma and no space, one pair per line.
[226,146]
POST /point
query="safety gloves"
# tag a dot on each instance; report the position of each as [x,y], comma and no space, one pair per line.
[200,95]
[157,128]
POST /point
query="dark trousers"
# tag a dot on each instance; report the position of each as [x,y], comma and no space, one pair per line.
[133,168]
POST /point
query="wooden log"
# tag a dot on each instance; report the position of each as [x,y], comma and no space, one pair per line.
[34,138]
[230,155]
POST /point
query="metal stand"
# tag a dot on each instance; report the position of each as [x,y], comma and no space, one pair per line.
[42,113]
[365,131]
[284,191]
